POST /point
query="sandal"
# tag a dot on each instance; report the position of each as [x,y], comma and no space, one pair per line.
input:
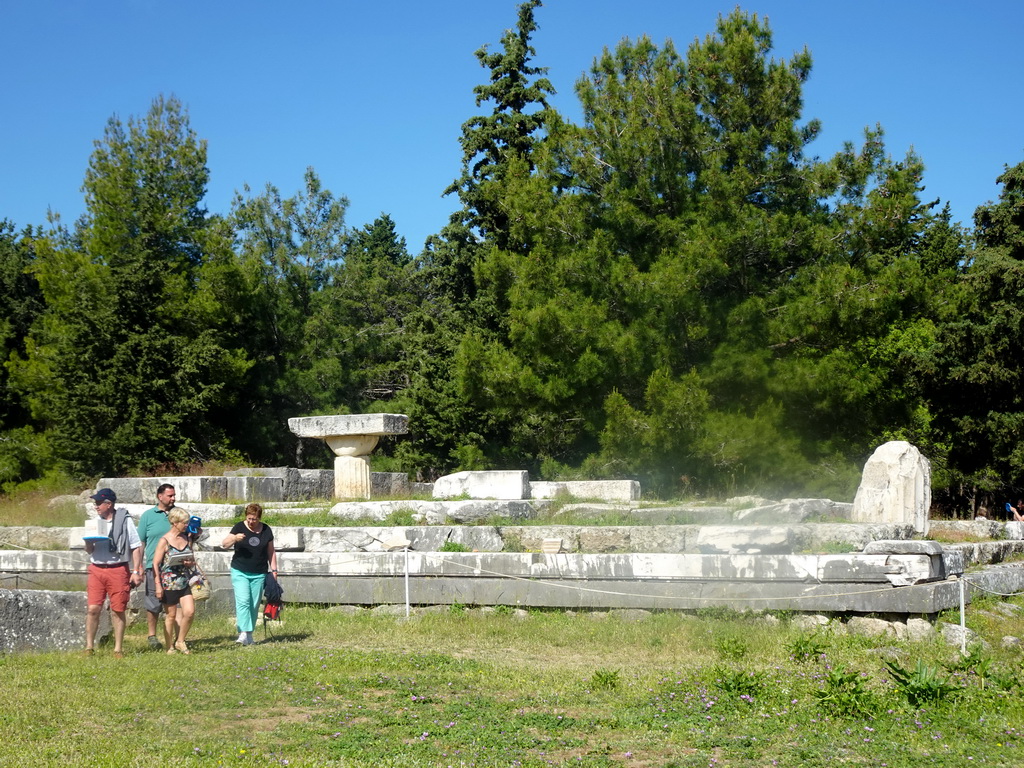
[180,645]
[171,650]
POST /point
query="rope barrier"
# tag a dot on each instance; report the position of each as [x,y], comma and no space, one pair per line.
[986,590]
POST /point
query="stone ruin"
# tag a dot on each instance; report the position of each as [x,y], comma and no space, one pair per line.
[749,554]
[896,487]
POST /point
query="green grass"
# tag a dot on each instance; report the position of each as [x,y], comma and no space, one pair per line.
[33,508]
[461,688]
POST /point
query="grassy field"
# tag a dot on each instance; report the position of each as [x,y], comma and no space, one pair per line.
[461,688]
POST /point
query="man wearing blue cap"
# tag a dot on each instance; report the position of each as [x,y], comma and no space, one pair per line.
[109,575]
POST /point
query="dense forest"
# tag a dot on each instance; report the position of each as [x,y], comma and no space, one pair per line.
[675,290]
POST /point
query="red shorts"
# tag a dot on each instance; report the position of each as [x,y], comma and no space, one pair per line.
[114,581]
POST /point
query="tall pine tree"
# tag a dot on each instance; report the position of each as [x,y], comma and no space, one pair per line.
[125,368]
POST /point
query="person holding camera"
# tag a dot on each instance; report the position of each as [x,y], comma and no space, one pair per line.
[173,566]
[254,556]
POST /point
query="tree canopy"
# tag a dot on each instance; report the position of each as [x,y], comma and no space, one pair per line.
[677,288]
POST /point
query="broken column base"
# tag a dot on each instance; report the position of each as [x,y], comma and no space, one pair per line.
[351,477]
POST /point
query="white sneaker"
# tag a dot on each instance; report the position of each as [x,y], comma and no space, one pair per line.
[241,638]
[248,639]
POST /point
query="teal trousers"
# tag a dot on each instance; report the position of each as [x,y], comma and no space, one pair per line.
[248,594]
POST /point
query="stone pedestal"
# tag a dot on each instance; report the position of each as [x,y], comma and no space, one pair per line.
[352,437]
[352,467]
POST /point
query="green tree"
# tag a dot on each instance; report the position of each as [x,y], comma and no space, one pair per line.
[974,388]
[373,293]
[498,148]
[490,143]
[691,296]
[683,193]
[23,454]
[125,368]
[288,253]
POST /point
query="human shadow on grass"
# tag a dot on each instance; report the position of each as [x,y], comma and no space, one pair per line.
[281,637]
[220,642]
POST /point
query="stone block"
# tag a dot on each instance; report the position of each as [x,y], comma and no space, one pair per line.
[603,490]
[42,620]
[346,539]
[499,484]
[531,538]
[902,547]
[378,510]
[605,539]
[664,538]
[821,535]
[955,635]
[286,539]
[869,627]
[476,538]
[245,488]
[16,537]
[131,490]
[198,489]
[793,511]
[734,539]
[919,630]
[302,484]
[142,490]
[298,484]
[472,512]
[394,484]
[898,570]
[350,424]
[1010,610]
[895,487]
[810,622]
[629,615]
[592,510]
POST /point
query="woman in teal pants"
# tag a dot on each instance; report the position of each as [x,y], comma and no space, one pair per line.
[254,556]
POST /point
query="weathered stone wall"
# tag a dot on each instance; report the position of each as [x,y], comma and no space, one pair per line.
[44,620]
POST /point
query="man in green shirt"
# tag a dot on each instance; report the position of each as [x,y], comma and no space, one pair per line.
[152,525]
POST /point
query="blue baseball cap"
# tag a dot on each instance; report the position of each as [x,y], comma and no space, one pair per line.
[104,494]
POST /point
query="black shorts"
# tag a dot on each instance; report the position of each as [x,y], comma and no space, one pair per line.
[173,596]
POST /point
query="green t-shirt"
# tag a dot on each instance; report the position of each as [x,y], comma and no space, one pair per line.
[152,525]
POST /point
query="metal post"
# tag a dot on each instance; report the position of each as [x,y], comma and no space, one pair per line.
[407,582]
[963,625]
[393,545]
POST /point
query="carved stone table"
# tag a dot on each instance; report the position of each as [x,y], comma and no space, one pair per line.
[352,437]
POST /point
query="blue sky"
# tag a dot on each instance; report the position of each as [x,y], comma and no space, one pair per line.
[373,95]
